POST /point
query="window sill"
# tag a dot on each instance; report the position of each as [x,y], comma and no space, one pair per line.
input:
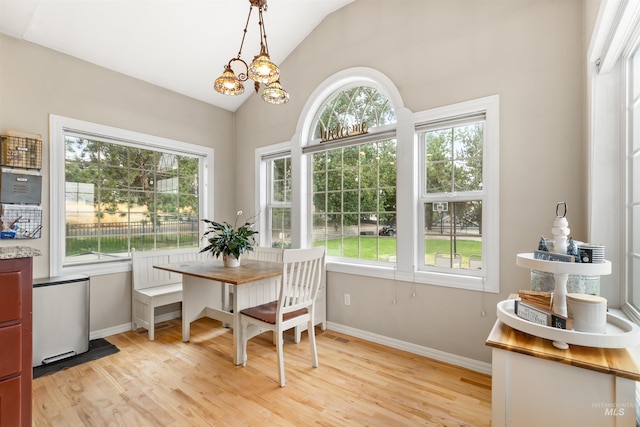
[98,269]
[472,283]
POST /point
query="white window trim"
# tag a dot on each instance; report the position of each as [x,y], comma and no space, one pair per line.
[262,192]
[301,170]
[408,153]
[407,183]
[615,32]
[488,279]
[57,127]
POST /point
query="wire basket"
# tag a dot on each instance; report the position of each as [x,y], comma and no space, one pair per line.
[20,221]
[20,152]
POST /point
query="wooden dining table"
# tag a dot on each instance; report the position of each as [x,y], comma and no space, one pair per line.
[205,292]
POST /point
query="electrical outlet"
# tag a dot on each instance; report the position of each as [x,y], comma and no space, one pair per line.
[347,299]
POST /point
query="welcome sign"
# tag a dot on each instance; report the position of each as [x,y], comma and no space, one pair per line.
[340,132]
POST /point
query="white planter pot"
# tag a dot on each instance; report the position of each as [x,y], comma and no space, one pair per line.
[230,260]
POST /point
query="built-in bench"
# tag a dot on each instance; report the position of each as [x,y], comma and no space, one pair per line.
[151,288]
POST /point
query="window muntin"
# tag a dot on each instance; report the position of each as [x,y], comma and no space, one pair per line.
[352,106]
[409,215]
[157,183]
[279,205]
[452,196]
[632,165]
[454,159]
[354,201]
[120,197]
[353,183]
[453,237]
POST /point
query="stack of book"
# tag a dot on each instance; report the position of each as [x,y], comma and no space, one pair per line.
[543,300]
[536,307]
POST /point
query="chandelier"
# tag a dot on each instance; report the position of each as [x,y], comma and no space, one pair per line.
[261,70]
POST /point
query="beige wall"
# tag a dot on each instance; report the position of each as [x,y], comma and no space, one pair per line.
[532,54]
[36,82]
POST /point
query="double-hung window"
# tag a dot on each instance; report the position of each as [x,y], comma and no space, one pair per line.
[458,194]
[118,191]
[452,193]
[278,207]
[390,194]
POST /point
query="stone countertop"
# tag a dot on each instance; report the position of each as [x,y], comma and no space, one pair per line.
[9,252]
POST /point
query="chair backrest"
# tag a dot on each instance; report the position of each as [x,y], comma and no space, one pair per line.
[301,277]
[145,276]
[264,254]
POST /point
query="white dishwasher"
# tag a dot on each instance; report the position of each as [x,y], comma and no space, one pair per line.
[60,318]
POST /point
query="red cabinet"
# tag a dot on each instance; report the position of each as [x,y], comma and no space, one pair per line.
[16,374]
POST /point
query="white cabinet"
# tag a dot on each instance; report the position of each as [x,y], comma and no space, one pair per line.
[535,384]
[538,383]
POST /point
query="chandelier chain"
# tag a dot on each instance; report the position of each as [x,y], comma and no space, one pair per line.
[263,33]
[262,70]
[244,34]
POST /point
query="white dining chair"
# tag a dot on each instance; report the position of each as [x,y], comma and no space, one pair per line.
[259,253]
[263,253]
[301,276]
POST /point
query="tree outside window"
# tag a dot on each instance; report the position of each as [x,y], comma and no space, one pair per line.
[453,190]
[119,197]
[353,194]
[279,207]
[413,199]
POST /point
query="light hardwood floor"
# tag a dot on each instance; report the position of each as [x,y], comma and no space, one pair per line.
[171,383]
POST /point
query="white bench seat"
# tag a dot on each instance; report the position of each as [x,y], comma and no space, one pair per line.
[172,292]
[151,288]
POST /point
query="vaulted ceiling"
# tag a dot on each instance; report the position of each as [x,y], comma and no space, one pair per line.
[181,45]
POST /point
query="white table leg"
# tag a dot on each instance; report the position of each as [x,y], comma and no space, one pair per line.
[237,339]
[197,295]
[226,305]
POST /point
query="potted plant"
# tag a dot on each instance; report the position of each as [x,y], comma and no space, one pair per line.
[228,240]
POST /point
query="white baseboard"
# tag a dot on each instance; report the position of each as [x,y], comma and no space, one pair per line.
[431,353]
[102,333]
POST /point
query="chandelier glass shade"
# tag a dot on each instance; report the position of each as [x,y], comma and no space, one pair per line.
[261,70]
[228,83]
[274,94]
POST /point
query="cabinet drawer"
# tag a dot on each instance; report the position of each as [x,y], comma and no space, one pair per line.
[10,296]
[10,402]
[11,345]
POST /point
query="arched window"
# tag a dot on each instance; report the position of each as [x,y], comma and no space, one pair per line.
[390,193]
[353,175]
[351,107]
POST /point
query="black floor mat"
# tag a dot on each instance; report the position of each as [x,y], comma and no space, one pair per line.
[97,348]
